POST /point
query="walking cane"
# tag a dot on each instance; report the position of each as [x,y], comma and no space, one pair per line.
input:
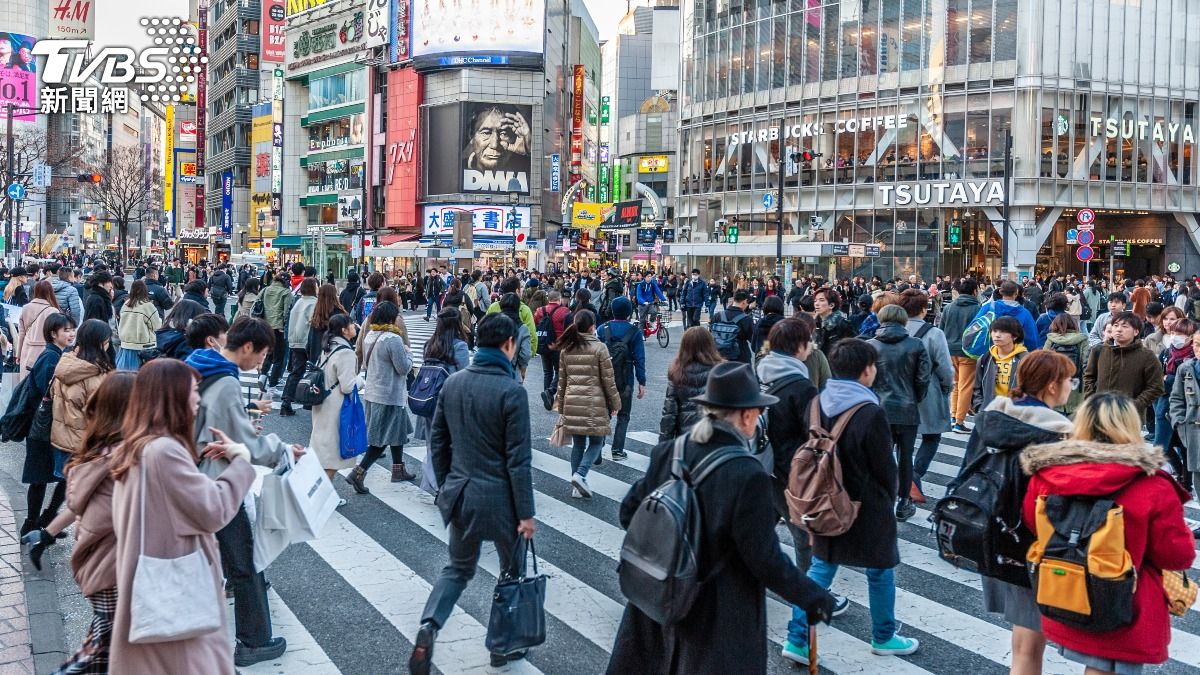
[812,647]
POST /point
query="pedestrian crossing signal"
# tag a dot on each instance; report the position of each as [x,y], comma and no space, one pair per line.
[955,235]
[732,234]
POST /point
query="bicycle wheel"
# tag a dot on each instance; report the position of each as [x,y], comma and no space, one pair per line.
[664,337]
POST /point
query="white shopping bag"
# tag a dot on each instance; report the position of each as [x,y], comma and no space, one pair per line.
[313,495]
[276,517]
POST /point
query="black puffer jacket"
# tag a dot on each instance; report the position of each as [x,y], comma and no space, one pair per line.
[903,376]
[831,329]
[680,412]
[763,329]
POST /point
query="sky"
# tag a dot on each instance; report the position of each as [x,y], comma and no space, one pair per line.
[606,14]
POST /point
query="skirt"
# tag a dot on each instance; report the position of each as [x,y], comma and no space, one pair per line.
[1017,603]
[92,657]
[43,462]
[1101,662]
[128,359]
[387,424]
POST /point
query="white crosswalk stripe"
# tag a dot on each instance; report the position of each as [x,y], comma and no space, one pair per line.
[935,601]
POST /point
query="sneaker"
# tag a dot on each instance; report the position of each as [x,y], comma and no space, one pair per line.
[548,400]
[897,646]
[422,657]
[286,410]
[840,604]
[959,429]
[619,455]
[244,656]
[580,484]
[341,502]
[795,654]
[905,509]
[575,493]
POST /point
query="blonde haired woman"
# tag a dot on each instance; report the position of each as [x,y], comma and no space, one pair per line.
[1105,456]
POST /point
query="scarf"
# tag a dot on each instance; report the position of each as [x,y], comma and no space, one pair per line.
[385,328]
[492,356]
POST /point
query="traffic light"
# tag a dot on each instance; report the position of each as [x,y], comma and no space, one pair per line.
[731,234]
[809,155]
[954,237]
[88,178]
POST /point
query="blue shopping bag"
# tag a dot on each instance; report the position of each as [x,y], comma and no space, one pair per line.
[352,426]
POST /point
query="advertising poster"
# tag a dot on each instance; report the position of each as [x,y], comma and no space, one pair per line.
[496,147]
[18,76]
[168,158]
[261,219]
[478,26]
[398,16]
[274,45]
[73,19]
[486,221]
[590,216]
[378,20]
[227,203]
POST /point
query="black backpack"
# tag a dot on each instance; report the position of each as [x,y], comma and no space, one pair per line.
[621,352]
[727,335]
[311,389]
[546,335]
[1071,352]
[658,567]
[978,523]
[1085,309]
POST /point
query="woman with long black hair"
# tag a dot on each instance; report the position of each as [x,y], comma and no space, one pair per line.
[41,458]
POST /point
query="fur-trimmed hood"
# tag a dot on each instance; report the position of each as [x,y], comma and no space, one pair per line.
[1076,467]
[1146,458]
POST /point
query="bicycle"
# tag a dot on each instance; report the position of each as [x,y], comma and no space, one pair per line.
[656,327]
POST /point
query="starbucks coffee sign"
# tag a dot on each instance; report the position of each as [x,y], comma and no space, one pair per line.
[812,129]
[939,193]
[1163,132]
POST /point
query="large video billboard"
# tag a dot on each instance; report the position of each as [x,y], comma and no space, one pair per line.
[495,144]
[18,76]
[478,32]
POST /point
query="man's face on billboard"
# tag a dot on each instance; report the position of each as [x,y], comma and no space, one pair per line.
[488,143]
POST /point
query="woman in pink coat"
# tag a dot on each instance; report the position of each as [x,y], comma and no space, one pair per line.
[183,509]
[30,342]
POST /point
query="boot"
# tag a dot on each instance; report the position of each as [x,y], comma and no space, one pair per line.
[48,517]
[400,474]
[355,479]
[28,526]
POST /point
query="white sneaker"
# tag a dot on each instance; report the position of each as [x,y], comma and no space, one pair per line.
[575,494]
[581,485]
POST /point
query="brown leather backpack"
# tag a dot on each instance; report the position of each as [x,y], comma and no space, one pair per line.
[817,500]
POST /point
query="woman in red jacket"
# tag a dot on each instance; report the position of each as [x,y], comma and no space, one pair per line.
[1105,455]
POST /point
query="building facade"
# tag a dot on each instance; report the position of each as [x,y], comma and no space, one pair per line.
[909,105]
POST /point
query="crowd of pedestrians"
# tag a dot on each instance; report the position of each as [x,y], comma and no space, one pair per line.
[140,415]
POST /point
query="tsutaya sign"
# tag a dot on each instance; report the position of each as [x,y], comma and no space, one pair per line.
[1130,128]
[810,129]
[957,193]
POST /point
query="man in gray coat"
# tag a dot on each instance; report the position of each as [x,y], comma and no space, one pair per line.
[483,474]
[935,406]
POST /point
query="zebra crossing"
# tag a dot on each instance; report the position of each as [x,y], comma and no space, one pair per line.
[363,583]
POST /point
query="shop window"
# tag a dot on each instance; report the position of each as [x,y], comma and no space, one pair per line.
[976,149]
[335,175]
[337,90]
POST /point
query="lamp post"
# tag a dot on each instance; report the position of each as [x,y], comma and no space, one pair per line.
[262,219]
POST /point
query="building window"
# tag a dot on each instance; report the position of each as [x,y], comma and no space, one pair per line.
[337,90]
[335,175]
[343,131]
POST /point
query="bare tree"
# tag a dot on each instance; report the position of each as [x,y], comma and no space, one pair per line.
[32,147]
[122,192]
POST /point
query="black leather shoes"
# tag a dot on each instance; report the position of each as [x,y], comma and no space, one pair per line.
[244,656]
[422,657]
[499,660]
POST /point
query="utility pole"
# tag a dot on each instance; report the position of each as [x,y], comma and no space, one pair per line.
[1008,168]
[779,213]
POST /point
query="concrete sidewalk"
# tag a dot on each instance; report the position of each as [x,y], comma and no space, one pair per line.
[16,651]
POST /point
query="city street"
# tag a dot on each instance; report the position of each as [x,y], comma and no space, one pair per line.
[349,602]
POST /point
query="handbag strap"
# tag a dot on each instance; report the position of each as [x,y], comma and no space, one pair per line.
[142,510]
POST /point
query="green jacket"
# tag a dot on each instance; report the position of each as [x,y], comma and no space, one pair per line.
[277,301]
[174,274]
[526,318]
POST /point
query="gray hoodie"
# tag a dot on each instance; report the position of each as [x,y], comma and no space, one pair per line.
[300,320]
[775,366]
[842,395]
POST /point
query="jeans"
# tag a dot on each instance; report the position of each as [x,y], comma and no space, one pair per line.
[881,594]
[549,370]
[964,386]
[278,355]
[582,460]
[298,360]
[429,306]
[929,448]
[623,416]
[712,308]
[1166,438]
[904,436]
[251,615]
[464,558]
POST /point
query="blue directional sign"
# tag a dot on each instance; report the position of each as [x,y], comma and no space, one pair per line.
[1071,234]
[16,191]
[768,201]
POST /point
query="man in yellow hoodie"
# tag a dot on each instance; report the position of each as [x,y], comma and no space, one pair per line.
[997,371]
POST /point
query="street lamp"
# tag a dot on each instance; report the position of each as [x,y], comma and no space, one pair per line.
[262,219]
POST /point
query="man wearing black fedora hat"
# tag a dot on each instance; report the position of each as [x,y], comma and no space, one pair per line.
[726,628]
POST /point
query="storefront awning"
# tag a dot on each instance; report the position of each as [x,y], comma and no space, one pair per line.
[287,241]
[803,249]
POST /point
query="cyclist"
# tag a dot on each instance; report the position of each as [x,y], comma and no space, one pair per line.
[648,291]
